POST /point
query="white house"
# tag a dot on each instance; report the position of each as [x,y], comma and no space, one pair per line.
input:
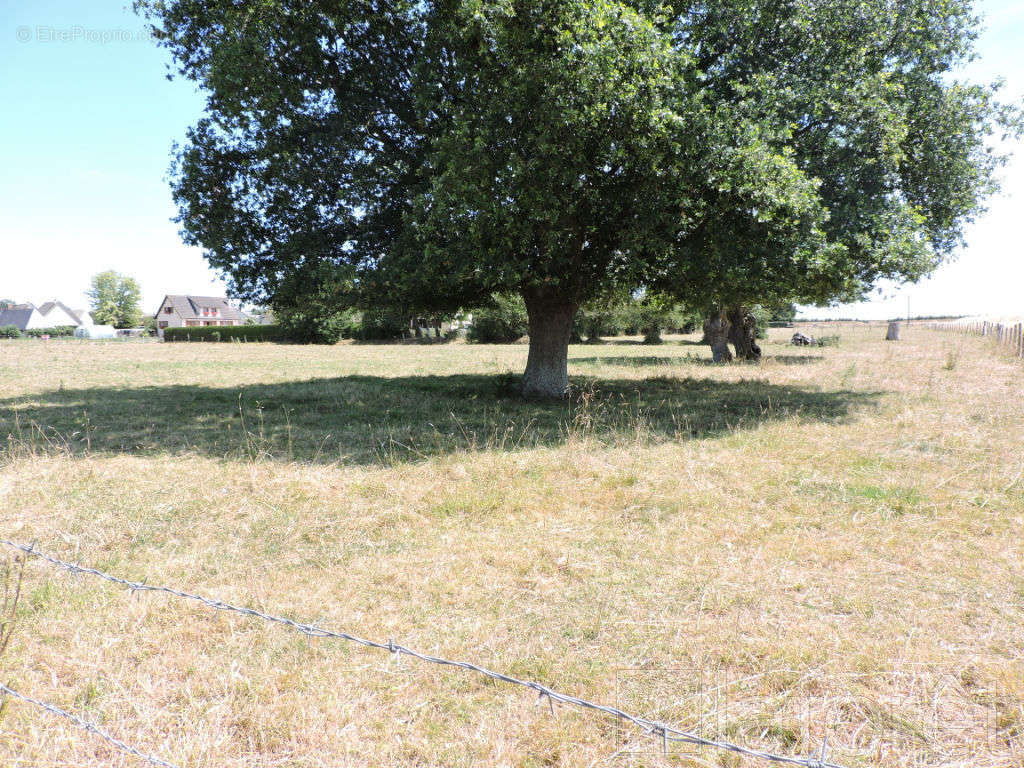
[52,314]
[195,311]
[58,314]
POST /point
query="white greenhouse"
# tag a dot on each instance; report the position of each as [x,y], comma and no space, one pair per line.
[95,332]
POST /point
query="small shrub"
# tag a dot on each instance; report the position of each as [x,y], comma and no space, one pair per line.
[9,332]
[215,336]
[501,322]
[594,322]
[351,323]
[312,326]
[380,325]
[690,323]
[652,315]
[652,334]
[65,331]
[828,341]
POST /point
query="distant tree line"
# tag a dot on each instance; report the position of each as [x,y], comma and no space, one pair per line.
[504,319]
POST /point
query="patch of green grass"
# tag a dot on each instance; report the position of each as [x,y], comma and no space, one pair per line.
[897,500]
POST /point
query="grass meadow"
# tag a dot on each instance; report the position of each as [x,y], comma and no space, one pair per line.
[831,540]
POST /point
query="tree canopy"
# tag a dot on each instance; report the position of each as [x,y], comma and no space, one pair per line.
[862,97]
[114,299]
[431,154]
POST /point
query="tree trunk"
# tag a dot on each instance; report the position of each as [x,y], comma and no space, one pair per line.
[743,334]
[716,332]
[437,329]
[550,323]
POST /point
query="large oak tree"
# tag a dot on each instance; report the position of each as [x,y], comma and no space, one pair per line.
[433,153]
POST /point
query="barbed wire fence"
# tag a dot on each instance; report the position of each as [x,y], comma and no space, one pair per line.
[85,725]
[666,733]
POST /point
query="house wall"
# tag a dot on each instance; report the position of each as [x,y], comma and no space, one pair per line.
[56,317]
[164,320]
[39,320]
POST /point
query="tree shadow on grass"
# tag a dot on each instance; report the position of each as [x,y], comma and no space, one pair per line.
[640,361]
[619,341]
[637,361]
[795,359]
[372,419]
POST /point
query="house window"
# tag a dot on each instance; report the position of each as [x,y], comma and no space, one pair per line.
[191,323]
[162,324]
[168,310]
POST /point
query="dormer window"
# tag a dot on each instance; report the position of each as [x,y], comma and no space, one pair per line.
[168,310]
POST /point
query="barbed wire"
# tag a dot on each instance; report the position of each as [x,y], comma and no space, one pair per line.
[665,732]
[85,725]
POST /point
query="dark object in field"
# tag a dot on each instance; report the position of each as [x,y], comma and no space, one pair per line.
[893,333]
[803,340]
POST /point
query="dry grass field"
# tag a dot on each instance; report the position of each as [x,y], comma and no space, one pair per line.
[829,541]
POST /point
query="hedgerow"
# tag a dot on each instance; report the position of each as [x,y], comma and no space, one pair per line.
[224,333]
[56,331]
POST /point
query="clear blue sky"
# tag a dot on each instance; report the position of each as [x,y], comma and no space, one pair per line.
[89,118]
